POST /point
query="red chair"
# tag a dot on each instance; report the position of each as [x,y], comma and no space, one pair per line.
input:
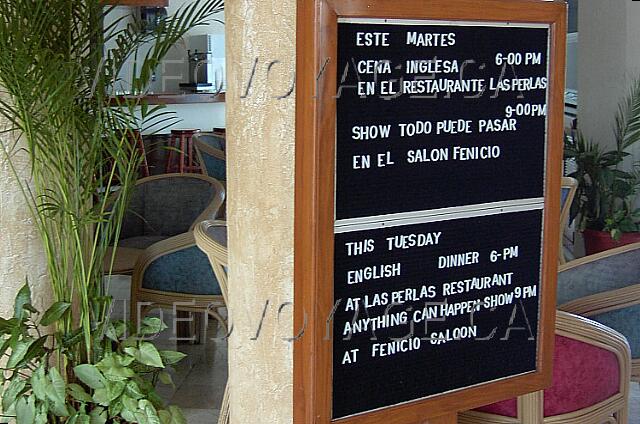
[592,371]
[182,157]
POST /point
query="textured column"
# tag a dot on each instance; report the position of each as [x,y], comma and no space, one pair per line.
[260,157]
[21,253]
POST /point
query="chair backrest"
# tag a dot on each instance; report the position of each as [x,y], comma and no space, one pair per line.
[211,154]
[610,270]
[568,192]
[214,140]
[211,238]
[171,204]
[605,378]
[607,349]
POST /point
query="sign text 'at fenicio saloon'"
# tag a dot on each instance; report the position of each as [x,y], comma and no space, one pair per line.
[444,173]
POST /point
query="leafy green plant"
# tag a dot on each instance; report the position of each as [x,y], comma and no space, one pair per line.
[622,221]
[57,82]
[57,79]
[606,192]
[121,386]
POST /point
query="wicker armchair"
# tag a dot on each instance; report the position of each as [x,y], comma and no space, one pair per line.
[161,207]
[590,381]
[170,271]
[605,287]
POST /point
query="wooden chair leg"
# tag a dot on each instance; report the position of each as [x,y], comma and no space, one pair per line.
[190,155]
[195,325]
[185,328]
[530,408]
[224,408]
[622,416]
[182,146]
[137,314]
[215,314]
[168,168]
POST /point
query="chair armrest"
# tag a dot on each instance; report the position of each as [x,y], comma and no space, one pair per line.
[161,248]
[177,266]
[603,302]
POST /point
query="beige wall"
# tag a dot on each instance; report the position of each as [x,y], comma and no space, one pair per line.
[608,60]
[21,253]
[260,131]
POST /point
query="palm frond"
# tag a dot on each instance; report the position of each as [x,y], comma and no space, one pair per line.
[57,80]
[627,119]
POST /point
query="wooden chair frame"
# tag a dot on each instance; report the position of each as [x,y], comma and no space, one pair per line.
[218,256]
[572,184]
[608,301]
[613,410]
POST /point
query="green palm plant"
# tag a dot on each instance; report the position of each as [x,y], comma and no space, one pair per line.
[606,196]
[56,92]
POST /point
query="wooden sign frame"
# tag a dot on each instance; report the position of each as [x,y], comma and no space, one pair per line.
[314,204]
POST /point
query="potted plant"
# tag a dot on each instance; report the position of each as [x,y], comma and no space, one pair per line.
[44,382]
[56,91]
[605,200]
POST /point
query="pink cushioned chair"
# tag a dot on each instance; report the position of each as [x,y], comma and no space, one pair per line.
[592,370]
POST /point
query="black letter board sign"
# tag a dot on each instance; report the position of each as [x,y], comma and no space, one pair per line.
[436,205]
[438,116]
[428,118]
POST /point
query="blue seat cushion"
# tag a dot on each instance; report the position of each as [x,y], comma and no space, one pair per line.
[186,271]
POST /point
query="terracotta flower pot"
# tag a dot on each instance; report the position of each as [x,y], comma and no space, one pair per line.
[599,241]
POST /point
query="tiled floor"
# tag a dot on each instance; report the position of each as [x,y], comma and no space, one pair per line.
[201,377]
[634,404]
[199,380]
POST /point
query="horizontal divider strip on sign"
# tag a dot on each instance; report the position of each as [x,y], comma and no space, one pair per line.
[382,21]
[435,215]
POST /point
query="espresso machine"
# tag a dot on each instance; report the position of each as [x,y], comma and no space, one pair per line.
[206,64]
